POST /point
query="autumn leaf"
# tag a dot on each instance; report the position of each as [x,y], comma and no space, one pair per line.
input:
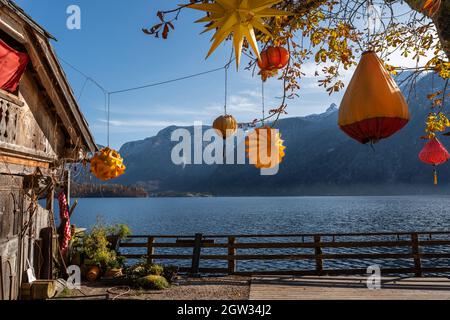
[432,6]
[165,31]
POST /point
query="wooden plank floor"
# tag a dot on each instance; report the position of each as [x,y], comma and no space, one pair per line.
[347,288]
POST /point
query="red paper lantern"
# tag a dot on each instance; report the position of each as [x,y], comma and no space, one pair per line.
[434,153]
[273,58]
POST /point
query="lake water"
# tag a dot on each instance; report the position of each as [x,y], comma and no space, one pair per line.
[278,215]
[187,216]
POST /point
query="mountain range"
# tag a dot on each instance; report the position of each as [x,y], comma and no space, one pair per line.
[320,160]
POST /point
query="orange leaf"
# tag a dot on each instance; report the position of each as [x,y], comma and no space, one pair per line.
[432,6]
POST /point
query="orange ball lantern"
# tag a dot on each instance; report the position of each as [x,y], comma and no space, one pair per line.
[225,126]
[260,145]
[373,107]
[107,164]
[273,58]
[434,153]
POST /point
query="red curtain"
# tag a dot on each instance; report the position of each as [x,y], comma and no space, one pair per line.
[12,66]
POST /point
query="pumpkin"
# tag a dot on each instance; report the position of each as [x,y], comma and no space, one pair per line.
[434,153]
[259,145]
[273,58]
[107,164]
[225,126]
[373,107]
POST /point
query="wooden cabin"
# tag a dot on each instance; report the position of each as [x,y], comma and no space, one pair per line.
[42,132]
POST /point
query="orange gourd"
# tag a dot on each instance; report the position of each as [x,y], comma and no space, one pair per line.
[373,107]
[259,146]
[93,273]
[107,164]
[225,126]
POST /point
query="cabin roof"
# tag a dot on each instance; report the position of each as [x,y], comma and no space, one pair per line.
[13,6]
[52,76]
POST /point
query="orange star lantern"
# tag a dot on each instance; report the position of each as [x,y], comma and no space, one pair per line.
[265,148]
[107,164]
[434,153]
[225,126]
[373,107]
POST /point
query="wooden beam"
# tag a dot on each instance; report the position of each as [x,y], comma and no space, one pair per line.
[11,98]
[24,162]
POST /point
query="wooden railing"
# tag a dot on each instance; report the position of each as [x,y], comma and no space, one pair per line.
[411,248]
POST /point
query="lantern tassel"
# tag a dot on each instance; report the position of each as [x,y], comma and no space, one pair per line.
[435,176]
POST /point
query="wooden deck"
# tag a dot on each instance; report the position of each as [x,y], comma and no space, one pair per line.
[347,288]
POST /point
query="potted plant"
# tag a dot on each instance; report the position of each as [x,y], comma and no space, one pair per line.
[117,233]
[99,252]
[114,268]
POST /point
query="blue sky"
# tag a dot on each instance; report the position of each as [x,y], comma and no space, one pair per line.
[112,49]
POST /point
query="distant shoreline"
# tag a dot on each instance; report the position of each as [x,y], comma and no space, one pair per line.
[265,196]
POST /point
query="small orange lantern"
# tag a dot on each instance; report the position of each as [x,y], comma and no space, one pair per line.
[225,126]
[272,60]
[107,164]
[259,146]
[373,107]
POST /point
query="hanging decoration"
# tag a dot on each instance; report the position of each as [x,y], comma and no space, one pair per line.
[434,153]
[264,146]
[65,218]
[373,107]
[225,126]
[107,164]
[238,18]
[261,145]
[272,60]
[12,67]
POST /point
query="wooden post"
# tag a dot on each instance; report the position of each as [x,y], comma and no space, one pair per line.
[150,249]
[50,200]
[416,253]
[318,254]
[67,186]
[196,254]
[232,253]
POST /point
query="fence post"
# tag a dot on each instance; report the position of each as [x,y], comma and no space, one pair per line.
[318,254]
[150,249]
[416,254]
[232,253]
[196,254]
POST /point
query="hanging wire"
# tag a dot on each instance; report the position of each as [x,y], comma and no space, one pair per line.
[108,118]
[167,81]
[226,90]
[369,3]
[263,103]
[82,89]
[108,94]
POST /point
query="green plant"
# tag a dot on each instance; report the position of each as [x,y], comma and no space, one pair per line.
[156,270]
[118,263]
[153,282]
[96,247]
[170,272]
[121,231]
